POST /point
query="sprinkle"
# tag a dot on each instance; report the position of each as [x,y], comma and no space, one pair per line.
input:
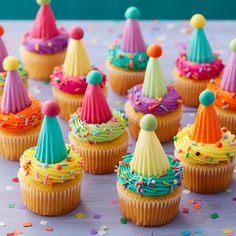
[2,224]
[219,144]
[11,205]
[123,220]
[43,222]
[101,232]
[93,232]
[59,167]
[46,179]
[115,201]
[199,231]
[62,178]
[45,165]
[15,180]
[72,172]
[37,175]
[36,47]
[185,232]
[185,210]
[97,216]
[234,199]
[197,206]
[227,230]
[26,121]
[17,232]
[103,227]
[228,190]
[186,191]
[49,44]
[163,107]
[197,153]
[191,201]
[27,224]
[49,229]
[214,216]
[187,154]
[79,215]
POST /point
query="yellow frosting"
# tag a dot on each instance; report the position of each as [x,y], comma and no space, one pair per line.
[51,173]
[199,153]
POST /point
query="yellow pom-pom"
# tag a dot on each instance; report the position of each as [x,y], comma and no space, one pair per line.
[10,63]
[198,21]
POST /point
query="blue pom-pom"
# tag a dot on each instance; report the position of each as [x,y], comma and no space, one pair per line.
[94,77]
[206,97]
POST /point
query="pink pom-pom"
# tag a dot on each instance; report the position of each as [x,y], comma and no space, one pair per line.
[76,33]
[51,108]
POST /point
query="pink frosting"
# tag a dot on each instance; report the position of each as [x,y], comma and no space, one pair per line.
[72,85]
[198,71]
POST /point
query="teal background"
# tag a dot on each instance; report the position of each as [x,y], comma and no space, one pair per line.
[114,9]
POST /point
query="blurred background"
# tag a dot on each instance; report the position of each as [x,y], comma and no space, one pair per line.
[114,9]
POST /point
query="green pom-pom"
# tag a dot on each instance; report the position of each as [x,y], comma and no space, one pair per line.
[206,97]
[232,45]
[94,77]
[148,123]
[132,13]
[43,2]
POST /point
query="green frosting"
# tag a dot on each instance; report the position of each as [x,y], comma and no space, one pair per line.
[153,186]
[128,61]
[98,133]
[206,97]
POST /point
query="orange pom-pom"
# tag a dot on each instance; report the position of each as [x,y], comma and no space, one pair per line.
[1,30]
[154,50]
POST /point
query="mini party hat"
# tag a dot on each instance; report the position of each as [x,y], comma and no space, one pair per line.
[3,50]
[95,109]
[149,158]
[15,97]
[45,24]
[154,84]
[206,128]
[228,81]
[199,49]
[76,62]
[51,147]
[132,40]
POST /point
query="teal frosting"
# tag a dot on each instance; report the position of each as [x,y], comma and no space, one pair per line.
[199,49]
[128,61]
[149,186]
[98,133]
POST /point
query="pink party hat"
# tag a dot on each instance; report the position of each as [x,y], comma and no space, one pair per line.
[15,97]
[3,50]
[132,40]
[228,82]
[95,109]
[45,24]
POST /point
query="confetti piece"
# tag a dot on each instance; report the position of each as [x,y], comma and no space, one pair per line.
[185,232]
[43,222]
[186,191]
[197,206]
[10,234]
[15,180]
[234,199]
[228,190]
[191,201]
[11,205]
[97,216]
[114,202]
[199,231]
[103,227]
[101,232]
[49,229]
[27,224]
[93,232]
[117,103]
[17,232]
[2,224]
[80,215]
[185,210]
[9,188]
[123,220]
[214,216]
[227,230]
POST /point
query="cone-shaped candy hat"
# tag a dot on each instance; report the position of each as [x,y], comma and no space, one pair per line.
[76,62]
[3,50]
[15,97]
[95,109]
[149,158]
[45,24]
[154,84]
[51,147]
[228,81]
[206,128]
[199,49]
[132,40]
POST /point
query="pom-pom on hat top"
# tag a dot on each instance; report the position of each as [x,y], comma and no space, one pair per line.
[3,50]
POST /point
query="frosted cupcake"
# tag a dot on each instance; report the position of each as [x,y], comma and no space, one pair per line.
[3,54]
[225,92]
[69,80]
[206,151]
[20,115]
[44,47]
[155,97]
[96,132]
[149,181]
[196,67]
[127,62]
[50,174]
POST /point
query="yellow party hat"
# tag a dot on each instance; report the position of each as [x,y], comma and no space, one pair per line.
[76,62]
[149,158]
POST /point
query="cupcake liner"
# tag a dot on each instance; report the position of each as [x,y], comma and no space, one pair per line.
[227,118]
[48,200]
[122,80]
[207,179]
[148,211]
[69,103]
[101,158]
[168,125]
[189,89]
[12,145]
[40,67]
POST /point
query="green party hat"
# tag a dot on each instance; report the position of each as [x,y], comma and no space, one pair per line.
[154,84]
[51,147]
[199,49]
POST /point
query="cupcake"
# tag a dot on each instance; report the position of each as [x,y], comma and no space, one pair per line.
[20,115]
[50,174]
[196,67]
[3,54]
[154,97]
[225,92]
[96,132]
[206,151]
[44,47]
[127,62]
[149,181]
[69,80]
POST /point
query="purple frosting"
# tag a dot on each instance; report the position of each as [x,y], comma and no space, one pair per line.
[40,46]
[156,106]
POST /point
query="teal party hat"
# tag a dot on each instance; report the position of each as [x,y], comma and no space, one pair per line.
[51,147]
[199,49]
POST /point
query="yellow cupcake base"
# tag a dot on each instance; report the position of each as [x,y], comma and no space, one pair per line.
[168,125]
[101,158]
[148,211]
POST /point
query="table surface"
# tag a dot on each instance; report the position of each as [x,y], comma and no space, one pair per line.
[99,195]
